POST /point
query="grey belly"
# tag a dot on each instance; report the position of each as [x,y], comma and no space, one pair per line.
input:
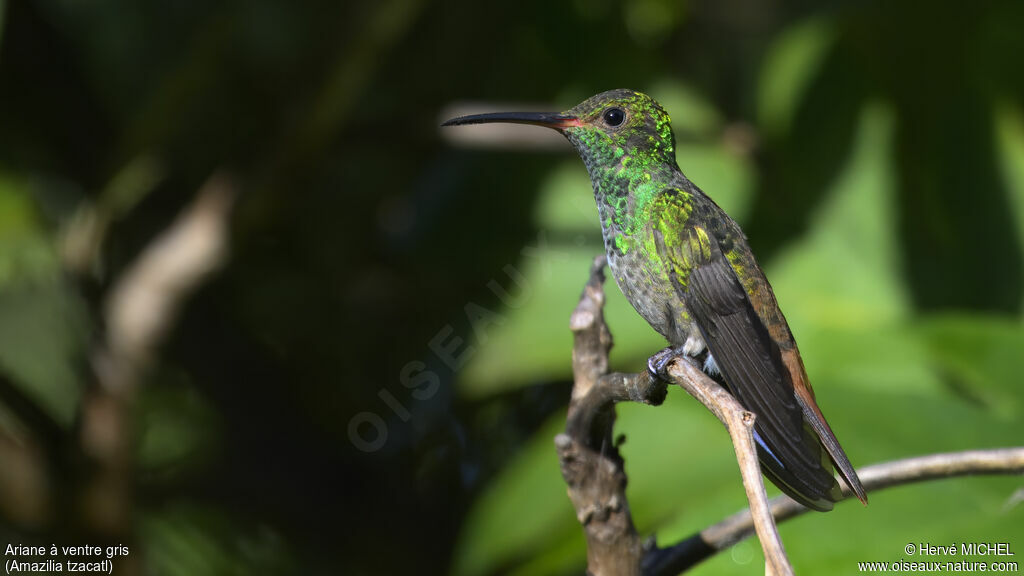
[656,300]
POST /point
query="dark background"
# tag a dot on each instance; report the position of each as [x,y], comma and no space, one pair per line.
[873,152]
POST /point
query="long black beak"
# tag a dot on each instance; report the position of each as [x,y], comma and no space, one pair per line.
[556,121]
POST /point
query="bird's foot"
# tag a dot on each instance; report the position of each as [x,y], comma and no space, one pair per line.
[657,365]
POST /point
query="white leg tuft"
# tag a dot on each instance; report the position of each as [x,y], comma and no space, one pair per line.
[710,366]
[693,346]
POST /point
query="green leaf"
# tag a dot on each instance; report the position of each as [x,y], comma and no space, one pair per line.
[44,330]
[521,513]
[42,342]
[190,539]
[178,431]
[1010,134]
[26,253]
[841,286]
[791,63]
[566,201]
[692,114]
[980,356]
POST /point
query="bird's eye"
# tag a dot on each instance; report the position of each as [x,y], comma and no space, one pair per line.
[614,116]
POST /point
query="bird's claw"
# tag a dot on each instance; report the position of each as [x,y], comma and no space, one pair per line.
[657,365]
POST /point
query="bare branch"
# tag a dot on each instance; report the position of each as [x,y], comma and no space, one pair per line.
[876,477]
[141,308]
[144,302]
[590,461]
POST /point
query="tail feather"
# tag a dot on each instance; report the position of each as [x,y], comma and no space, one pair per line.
[814,417]
[828,439]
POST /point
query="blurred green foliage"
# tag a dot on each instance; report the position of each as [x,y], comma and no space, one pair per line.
[873,152]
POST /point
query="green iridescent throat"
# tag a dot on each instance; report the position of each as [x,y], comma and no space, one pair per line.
[630,170]
[631,165]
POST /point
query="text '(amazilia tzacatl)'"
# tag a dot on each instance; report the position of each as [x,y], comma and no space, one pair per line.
[686,267]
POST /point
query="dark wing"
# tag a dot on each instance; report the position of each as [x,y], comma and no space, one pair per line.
[751,366]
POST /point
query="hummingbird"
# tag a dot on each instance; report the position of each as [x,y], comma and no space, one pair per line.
[686,267]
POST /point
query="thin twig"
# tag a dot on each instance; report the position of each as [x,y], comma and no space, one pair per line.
[707,542]
[740,423]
